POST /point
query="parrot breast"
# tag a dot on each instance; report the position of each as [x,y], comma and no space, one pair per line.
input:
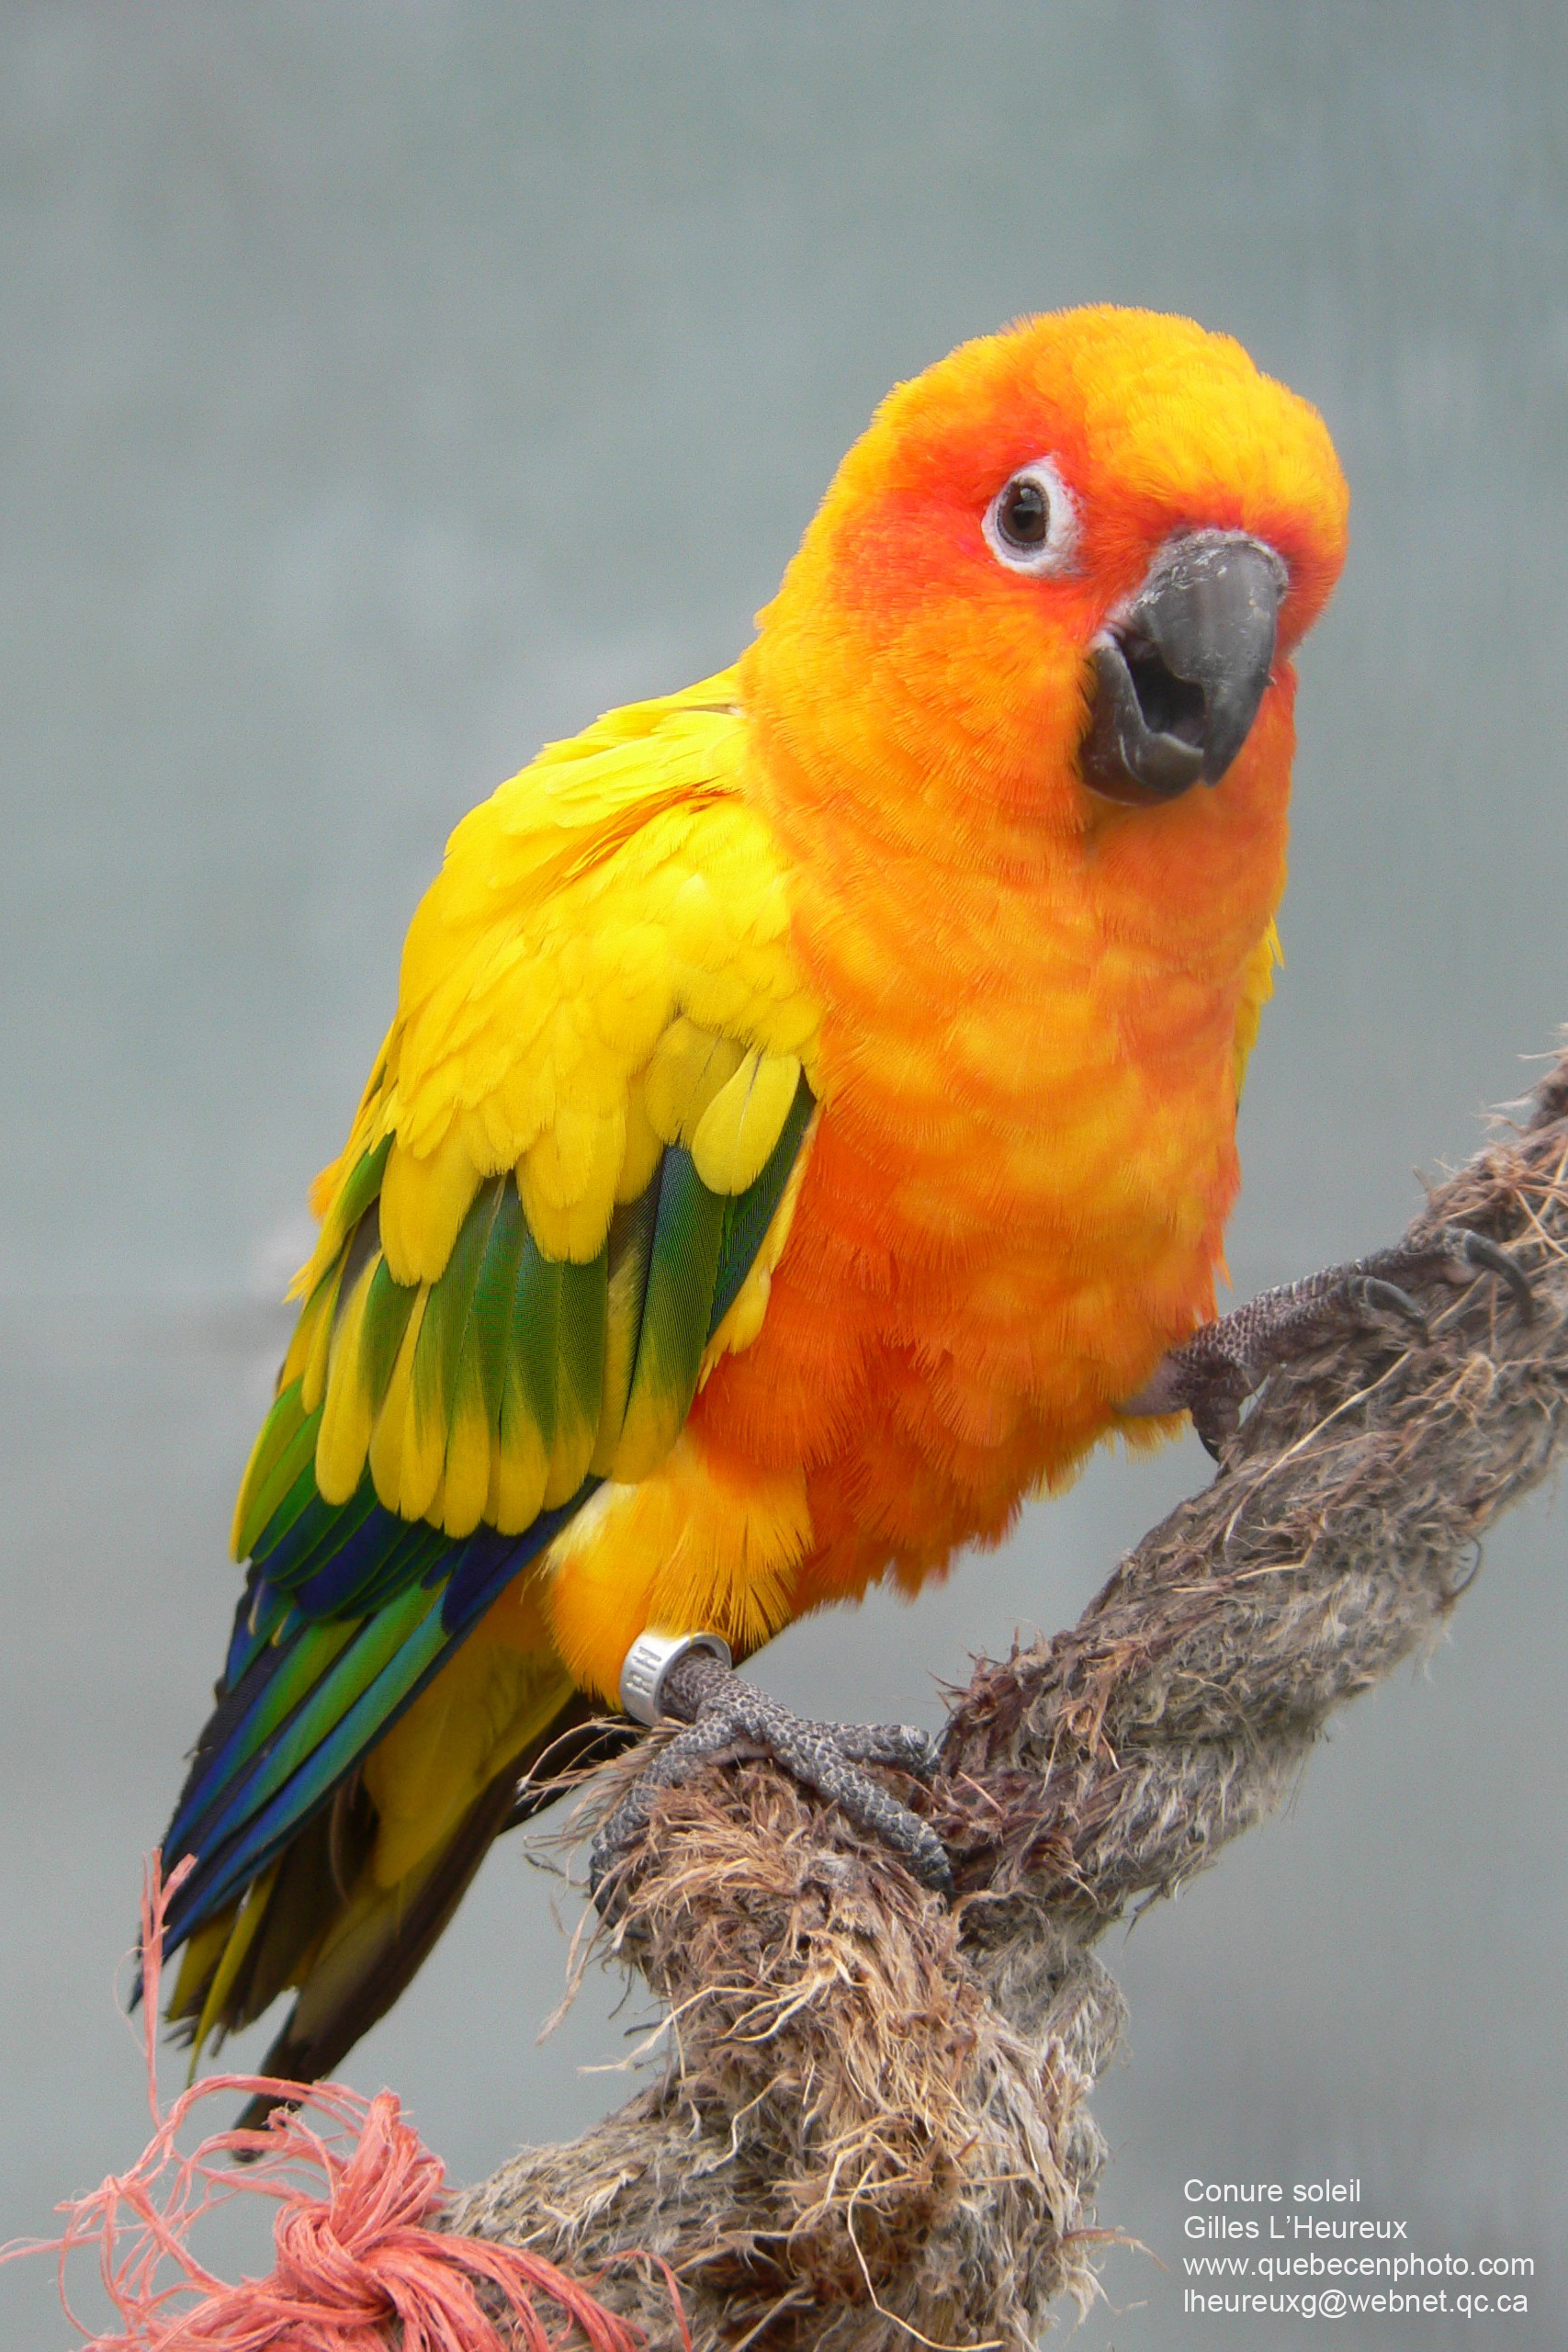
[1024,1158]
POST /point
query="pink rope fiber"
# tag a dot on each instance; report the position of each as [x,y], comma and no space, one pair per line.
[354,2250]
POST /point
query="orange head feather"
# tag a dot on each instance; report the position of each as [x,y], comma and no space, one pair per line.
[904,669]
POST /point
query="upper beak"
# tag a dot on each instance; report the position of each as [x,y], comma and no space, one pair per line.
[1179,671]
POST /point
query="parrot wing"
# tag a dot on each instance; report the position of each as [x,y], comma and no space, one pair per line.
[550,1215]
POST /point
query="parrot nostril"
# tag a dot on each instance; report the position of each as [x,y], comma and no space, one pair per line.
[1169,704]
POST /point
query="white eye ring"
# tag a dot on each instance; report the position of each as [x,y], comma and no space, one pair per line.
[1053,550]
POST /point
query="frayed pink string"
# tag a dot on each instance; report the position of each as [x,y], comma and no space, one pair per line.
[354,2250]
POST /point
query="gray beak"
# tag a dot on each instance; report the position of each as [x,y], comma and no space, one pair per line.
[1178,673]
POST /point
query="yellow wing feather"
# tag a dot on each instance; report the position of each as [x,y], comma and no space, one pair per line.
[603,968]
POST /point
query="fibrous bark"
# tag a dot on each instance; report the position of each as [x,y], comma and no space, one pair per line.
[871,2129]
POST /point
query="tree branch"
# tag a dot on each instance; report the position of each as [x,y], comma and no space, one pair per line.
[872,2129]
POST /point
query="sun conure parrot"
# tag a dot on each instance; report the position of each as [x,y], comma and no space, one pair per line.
[807,1117]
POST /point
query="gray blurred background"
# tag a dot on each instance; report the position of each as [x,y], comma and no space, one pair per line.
[387,388]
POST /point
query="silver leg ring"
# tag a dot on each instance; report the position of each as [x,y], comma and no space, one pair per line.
[648,1662]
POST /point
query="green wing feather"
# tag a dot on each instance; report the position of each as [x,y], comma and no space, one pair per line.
[533,1377]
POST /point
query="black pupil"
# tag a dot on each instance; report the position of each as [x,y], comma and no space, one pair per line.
[1026,514]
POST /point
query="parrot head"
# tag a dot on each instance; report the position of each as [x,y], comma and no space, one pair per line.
[1057,580]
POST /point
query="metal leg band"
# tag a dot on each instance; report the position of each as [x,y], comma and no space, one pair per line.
[648,1661]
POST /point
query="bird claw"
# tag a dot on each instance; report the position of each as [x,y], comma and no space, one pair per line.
[1474,1254]
[725,1713]
[1457,1254]
[1372,1295]
[1212,1375]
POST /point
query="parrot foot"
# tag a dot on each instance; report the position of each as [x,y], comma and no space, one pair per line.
[728,1717]
[1212,1375]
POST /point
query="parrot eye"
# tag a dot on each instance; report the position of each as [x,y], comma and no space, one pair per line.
[1032,522]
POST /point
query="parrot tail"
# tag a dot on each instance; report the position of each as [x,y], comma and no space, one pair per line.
[323,1920]
[374,1949]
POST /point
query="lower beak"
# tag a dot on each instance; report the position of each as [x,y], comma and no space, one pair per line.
[1179,673]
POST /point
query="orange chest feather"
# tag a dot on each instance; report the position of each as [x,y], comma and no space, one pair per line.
[951,1324]
[1015,1200]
